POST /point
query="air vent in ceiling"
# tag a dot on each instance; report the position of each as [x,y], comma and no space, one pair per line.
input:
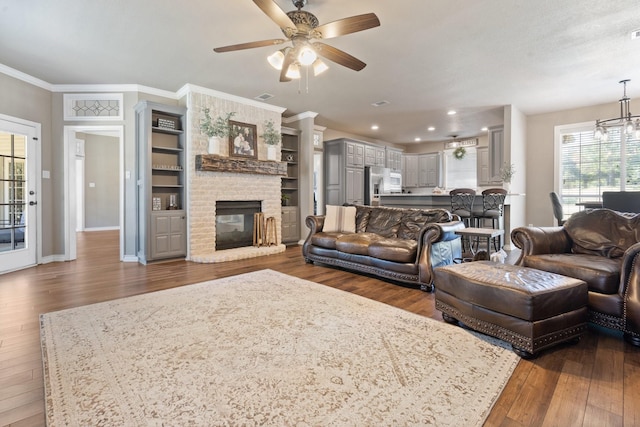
[380,103]
[264,97]
[635,34]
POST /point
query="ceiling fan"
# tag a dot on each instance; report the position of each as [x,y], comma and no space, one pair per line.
[302,29]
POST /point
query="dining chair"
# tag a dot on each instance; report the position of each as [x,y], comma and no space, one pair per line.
[557,207]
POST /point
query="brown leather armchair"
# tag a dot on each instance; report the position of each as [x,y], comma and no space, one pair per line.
[599,246]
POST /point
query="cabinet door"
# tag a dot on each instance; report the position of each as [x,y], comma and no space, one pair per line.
[483,166]
[354,186]
[354,154]
[411,171]
[290,224]
[380,157]
[496,144]
[430,170]
[168,234]
[369,156]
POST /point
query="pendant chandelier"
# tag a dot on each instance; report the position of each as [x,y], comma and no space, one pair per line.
[625,120]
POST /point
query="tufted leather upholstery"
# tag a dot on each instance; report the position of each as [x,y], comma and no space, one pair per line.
[399,244]
[601,247]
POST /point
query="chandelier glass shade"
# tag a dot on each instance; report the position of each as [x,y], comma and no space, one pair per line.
[626,120]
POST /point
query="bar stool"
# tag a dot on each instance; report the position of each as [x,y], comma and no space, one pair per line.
[493,209]
[462,205]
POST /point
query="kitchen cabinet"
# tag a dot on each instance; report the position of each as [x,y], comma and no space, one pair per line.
[491,158]
[410,171]
[393,158]
[429,170]
[344,171]
[374,156]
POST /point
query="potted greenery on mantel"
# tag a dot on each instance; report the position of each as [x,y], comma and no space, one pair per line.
[271,137]
[215,129]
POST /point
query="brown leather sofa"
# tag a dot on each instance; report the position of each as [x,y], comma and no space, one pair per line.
[403,245]
[599,246]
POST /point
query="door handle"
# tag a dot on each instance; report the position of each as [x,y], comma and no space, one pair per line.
[33,203]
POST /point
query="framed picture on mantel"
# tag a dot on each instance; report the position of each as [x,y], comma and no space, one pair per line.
[242,140]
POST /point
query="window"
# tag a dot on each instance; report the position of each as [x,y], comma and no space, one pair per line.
[461,173]
[587,167]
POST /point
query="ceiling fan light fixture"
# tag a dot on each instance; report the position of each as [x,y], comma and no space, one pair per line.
[319,67]
[293,72]
[307,56]
[276,59]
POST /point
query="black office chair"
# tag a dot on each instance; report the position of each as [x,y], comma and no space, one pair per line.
[557,207]
[621,201]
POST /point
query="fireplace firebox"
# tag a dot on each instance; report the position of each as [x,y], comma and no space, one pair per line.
[234,223]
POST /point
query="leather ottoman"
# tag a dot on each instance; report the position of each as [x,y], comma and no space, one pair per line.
[530,309]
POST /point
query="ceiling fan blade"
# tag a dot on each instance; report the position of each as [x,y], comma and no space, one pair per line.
[250,45]
[348,25]
[288,60]
[277,15]
[339,57]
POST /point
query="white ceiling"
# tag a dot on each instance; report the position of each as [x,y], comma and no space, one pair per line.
[427,56]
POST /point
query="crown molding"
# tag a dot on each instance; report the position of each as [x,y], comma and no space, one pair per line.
[191,88]
[298,117]
[12,72]
[93,88]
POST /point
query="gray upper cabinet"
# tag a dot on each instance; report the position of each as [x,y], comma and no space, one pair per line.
[393,158]
[491,158]
[410,171]
[374,156]
[429,170]
[160,139]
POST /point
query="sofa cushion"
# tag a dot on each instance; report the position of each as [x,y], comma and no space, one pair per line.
[413,220]
[362,218]
[340,218]
[601,274]
[603,232]
[385,221]
[326,240]
[397,250]
[356,243]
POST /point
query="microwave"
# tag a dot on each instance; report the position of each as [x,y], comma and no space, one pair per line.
[395,182]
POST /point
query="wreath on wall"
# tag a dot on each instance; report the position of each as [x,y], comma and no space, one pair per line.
[459,153]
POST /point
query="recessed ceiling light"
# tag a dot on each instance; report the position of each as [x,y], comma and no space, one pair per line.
[484,129]
[431,128]
[451,112]
[417,139]
[374,127]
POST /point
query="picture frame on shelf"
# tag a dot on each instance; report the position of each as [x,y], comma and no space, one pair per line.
[243,140]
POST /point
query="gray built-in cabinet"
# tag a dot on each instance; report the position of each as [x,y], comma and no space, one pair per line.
[161,181]
[344,162]
[290,186]
[491,158]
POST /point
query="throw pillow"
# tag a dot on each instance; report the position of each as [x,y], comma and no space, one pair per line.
[340,218]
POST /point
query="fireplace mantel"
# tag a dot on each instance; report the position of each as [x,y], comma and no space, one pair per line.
[214,163]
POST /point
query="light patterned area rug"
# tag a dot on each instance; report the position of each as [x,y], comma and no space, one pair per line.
[264,348]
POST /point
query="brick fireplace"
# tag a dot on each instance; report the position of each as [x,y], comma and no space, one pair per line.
[226,178]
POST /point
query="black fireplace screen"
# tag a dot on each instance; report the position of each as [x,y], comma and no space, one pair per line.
[234,223]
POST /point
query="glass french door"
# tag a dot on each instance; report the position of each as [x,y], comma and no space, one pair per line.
[17,196]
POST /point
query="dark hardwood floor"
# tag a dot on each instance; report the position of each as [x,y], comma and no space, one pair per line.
[593,383]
